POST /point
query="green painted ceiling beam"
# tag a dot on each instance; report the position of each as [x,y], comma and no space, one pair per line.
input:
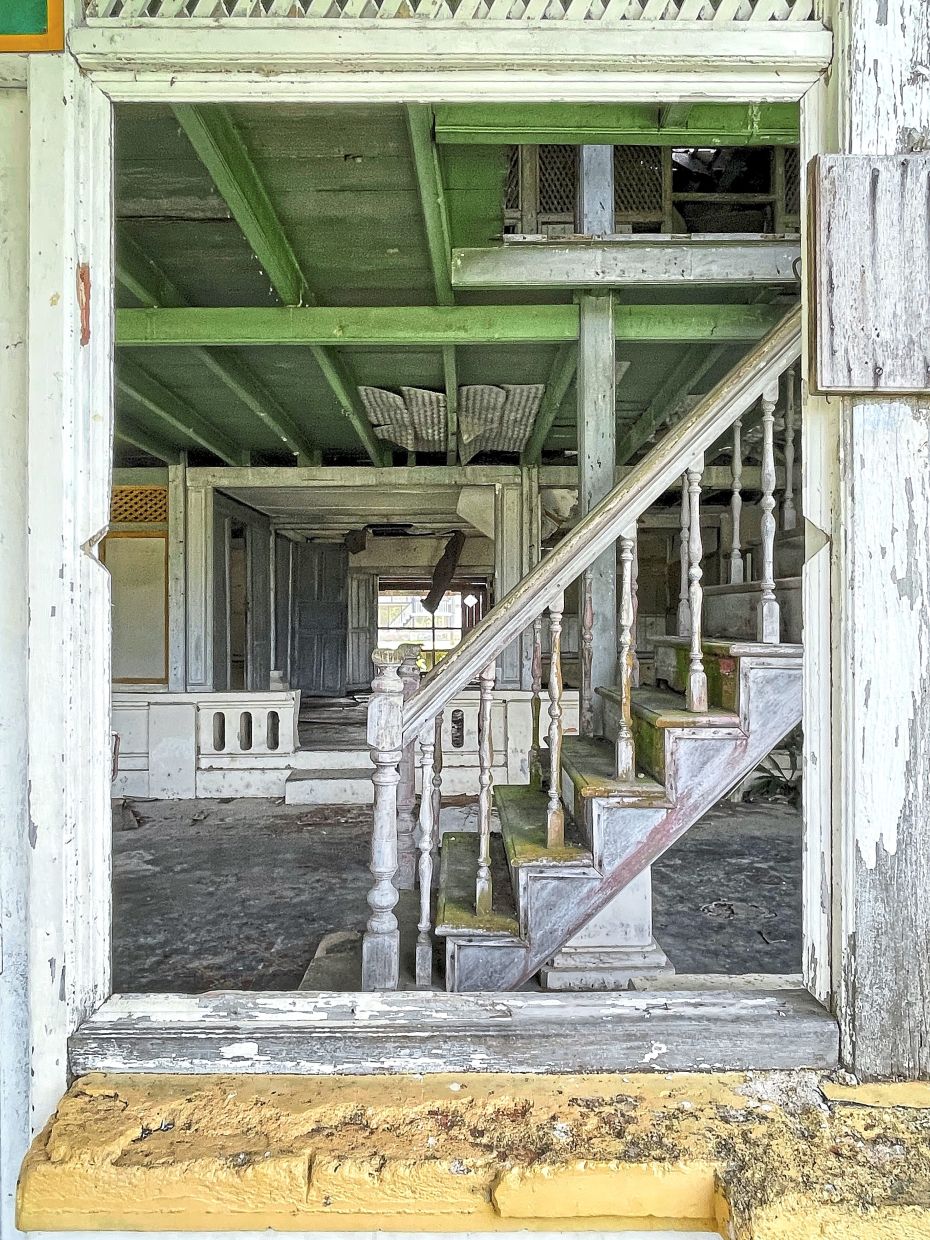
[631,124]
[434,326]
[143,277]
[222,150]
[174,414]
[439,244]
[557,385]
[691,369]
[141,437]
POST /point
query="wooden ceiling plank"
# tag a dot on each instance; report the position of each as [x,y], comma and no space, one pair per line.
[174,413]
[216,139]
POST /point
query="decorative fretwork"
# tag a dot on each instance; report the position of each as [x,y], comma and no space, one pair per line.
[144,505]
[792,181]
[461,10]
[638,182]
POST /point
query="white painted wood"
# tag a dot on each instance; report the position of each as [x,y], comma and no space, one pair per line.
[199,591]
[871,236]
[363,61]
[705,259]
[684,535]
[587,655]
[535,767]
[634,589]
[789,515]
[595,191]
[405,877]
[690,12]
[736,505]
[555,815]
[696,690]
[483,891]
[625,753]
[436,794]
[177,607]
[645,482]
[426,843]
[381,940]
[769,625]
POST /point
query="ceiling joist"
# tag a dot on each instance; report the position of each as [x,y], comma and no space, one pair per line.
[560,379]
[174,414]
[434,326]
[217,141]
[694,365]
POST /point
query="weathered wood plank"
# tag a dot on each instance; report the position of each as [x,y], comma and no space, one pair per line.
[307,1032]
[871,237]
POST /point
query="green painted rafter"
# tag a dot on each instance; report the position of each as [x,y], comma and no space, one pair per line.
[141,437]
[680,382]
[434,326]
[439,244]
[218,142]
[560,378]
[173,413]
[142,276]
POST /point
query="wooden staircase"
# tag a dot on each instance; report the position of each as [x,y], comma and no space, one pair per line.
[662,756]
[686,762]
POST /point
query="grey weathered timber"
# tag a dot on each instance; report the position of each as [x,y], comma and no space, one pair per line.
[872,320]
[483,891]
[326,1034]
[680,383]
[555,813]
[641,487]
[624,748]
[404,879]
[629,260]
[789,514]
[736,505]
[769,627]
[381,941]
[426,838]
[696,692]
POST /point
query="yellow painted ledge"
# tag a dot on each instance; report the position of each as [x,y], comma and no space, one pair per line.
[768,1156]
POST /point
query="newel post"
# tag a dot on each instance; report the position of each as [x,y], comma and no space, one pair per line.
[409,672]
[381,941]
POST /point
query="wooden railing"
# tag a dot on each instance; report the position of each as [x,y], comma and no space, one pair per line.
[398,721]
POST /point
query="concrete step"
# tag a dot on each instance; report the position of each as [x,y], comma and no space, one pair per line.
[341,786]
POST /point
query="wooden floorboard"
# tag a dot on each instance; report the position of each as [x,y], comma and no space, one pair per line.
[328,1033]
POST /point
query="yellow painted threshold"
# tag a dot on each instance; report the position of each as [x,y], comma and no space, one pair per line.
[764,1156]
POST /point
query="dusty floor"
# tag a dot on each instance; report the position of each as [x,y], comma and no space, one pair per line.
[237,894]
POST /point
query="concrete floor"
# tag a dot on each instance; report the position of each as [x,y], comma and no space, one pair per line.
[237,894]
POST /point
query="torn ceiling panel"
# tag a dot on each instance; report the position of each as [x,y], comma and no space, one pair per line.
[491,418]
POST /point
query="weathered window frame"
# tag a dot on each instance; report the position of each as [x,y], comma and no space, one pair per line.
[70,401]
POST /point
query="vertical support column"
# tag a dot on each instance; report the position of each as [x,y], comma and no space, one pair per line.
[597,418]
[511,554]
[199,600]
[409,673]
[177,611]
[768,620]
[425,843]
[789,516]
[381,940]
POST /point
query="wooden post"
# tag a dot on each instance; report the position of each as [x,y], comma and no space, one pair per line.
[535,764]
[684,608]
[483,894]
[597,417]
[555,817]
[381,941]
[425,843]
[634,587]
[736,505]
[586,696]
[626,759]
[409,673]
[768,623]
[789,516]
[696,693]
[437,772]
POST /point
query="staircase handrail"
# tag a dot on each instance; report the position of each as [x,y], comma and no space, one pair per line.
[713,414]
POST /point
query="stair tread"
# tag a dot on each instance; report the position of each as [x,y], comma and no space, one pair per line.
[304,775]
[589,763]
[455,907]
[664,708]
[735,647]
[522,812]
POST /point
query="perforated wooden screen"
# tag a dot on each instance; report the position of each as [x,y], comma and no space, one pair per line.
[142,505]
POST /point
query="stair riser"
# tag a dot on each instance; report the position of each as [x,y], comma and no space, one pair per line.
[722,673]
[329,792]
[482,965]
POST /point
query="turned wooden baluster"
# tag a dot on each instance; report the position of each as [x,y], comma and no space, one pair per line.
[425,843]
[736,505]
[381,941]
[586,702]
[536,706]
[696,691]
[789,515]
[626,758]
[768,626]
[483,893]
[555,815]
[634,586]
[409,673]
[684,613]
[437,773]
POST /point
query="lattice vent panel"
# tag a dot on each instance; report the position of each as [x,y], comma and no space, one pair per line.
[558,178]
[512,198]
[147,505]
[792,180]
[609,11]
[638,180]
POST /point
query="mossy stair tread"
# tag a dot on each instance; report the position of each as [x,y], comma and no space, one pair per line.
[589,762]
[522,812]
[661,708]
[723,647]
[455,906]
